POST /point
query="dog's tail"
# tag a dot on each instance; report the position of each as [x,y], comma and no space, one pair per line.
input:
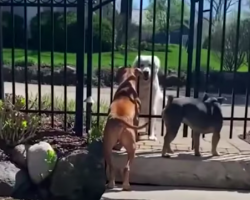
[127,124]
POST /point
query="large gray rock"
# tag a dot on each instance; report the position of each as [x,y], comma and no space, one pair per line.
[13,181]
[19,155]
[80,175]
[39,167]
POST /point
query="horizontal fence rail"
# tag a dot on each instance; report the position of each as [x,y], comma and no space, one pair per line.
[82,43]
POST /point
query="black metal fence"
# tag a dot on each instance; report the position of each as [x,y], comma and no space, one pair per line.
[82,28]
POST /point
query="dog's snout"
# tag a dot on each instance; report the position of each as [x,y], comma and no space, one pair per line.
[145,73]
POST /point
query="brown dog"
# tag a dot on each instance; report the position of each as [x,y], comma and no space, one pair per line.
[123,114]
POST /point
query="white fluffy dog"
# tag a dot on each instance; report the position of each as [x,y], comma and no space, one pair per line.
[144,89]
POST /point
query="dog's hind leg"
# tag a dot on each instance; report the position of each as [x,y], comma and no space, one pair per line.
[168,138]
[215,141]
[109,142]
[130,145]
[196,143]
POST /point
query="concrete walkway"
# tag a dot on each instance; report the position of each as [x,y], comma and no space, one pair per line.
[163,193]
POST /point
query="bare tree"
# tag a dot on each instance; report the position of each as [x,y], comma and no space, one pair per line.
[232,56]
[218,8]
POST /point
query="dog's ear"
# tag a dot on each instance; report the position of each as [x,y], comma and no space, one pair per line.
[221,99]
[205,96]
[138,71]
[135,62]
[119,73]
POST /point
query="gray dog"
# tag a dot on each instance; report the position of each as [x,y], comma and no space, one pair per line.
[202,116]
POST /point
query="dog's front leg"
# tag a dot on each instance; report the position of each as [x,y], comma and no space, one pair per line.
[215,141]
[196,137]
[152,135]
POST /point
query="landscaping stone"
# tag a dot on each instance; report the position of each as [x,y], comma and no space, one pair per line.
[37,161]
[19,155]
[80,175]
[13,181]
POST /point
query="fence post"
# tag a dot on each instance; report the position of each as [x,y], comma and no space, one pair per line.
[80,67]
[198,53]
[198,49]
[1,59]
[1,66]
[190,56]
[89,66]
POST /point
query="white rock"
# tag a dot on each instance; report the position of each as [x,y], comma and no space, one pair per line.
[37,160]
[19,155]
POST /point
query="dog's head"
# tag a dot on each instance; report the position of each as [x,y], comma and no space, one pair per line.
[124,72]
[148,66]
[206,98]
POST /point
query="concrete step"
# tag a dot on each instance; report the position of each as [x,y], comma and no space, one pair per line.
[228,171]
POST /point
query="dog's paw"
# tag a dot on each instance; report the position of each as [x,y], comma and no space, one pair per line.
[215,153]
[170,151]
[111,185]
[197,154]
[126,187]
[152,138]
[165,156]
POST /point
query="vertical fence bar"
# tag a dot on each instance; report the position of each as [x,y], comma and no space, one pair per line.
[39,56]
[139,43]
[113,52]
[166,61]
[235,67]
[209,45]
[198,54]
[1,61]
[180,45]
[65,62]
[13,52]
[1,66]
[99,63]
[52,61]
[198,49]
[80,67]
[26,56]
[223,44]
[89,65]
[247,93]
[139,36]
[152,69]
[190,57]
[126,33]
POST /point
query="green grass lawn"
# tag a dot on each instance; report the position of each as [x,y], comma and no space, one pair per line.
[173,58]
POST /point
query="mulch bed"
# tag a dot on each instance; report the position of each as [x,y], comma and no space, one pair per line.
[247,139]
[63,142]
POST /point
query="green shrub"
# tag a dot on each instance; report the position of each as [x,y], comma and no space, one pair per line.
[157,47]
[96,131]
[106,39]
[72,32]
[46,36]
[8,31]
[144,46]
[21,62]
[17,127]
